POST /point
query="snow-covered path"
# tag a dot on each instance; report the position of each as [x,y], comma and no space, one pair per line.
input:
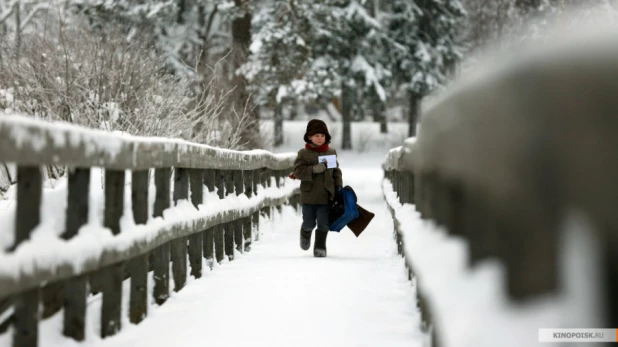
[279,295]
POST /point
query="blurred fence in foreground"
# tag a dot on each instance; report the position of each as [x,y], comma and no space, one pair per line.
[182,171]
[504,155]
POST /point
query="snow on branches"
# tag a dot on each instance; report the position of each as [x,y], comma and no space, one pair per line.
[308,49]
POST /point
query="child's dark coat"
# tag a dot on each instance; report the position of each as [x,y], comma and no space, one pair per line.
[316,188]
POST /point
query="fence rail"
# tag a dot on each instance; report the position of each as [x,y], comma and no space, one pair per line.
[181,170]
[28,141]
[502,157]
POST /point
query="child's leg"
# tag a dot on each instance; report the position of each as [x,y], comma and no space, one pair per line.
[322,217]
[319,249]
[309,217]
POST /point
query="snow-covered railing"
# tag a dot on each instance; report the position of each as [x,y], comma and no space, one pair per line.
[60,272]
[508,155]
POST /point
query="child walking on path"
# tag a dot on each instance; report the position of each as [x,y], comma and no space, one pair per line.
[317,187]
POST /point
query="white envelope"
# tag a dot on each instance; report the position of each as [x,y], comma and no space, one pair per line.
[331,160]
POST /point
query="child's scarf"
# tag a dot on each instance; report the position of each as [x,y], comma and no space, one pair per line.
[320,149]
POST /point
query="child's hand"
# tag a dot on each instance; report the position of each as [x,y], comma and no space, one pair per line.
[319,168]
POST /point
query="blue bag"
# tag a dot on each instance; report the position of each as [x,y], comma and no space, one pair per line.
[343,209]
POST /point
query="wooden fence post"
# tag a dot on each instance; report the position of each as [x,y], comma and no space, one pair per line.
[411,187]
[229,226]
[418,192]
[426,198]
[405,191]
[456,200]
[277,174]
[26,313]
[403,186]
[439,202]
[138,266]
[238,223]
[77,206]
[256,214]
[161,255]
[395,184]
[400,187]
[248,225]
[530,244]
[52,298]
[219,230]
[179,245]
[398,239]
[113,275]
[266,182]
[294,202]
[74,291]
[268,177]
[209,236]
[481,244]
[29,188]
[196,241]
[26,304]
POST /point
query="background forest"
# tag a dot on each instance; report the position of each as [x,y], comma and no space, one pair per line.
[210,71]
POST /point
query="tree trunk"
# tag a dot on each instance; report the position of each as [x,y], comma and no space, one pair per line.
[17,30]
[293,109]
[278,132]
[241,38]
[375,110]
[378,109]
[182,6]
[414,101]
[346,113]
[383,120]
[359,103]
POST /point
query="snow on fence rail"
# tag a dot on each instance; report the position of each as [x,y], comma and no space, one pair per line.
[63,272]
[505,156]
[29,141]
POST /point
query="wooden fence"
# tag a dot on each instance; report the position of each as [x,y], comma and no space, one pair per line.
[31,144]
[502,157]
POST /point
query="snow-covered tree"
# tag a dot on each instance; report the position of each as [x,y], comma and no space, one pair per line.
[200,39]
[351,48]
[179,96]
[363,57]
[178,28]
[318,50]
[278,54]
[428,30]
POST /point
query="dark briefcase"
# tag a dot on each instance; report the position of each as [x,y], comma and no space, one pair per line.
[359,224]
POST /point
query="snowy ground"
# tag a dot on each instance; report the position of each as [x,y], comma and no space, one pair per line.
[279,295]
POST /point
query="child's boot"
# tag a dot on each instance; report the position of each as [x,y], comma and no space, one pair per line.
[305,239]
[319,248]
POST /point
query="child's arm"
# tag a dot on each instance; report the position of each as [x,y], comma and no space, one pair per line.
[302,170]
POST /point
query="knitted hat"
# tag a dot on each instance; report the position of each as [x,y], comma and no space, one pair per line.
[316,126]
